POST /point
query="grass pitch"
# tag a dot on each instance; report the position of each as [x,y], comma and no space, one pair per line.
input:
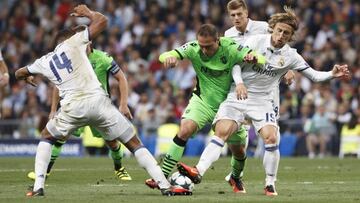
[93,180]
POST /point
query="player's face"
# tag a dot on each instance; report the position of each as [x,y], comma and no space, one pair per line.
[282,34]
[239,18]
[208,45]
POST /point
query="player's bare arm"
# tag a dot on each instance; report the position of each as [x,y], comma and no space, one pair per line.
[169,59]
[4,74]
[24,74]
[98,21]
[123,88]
[54,102]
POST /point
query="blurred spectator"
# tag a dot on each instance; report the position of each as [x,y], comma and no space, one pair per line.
[320,132]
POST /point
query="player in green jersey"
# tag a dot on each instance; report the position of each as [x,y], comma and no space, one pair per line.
[103,64]
[213,59]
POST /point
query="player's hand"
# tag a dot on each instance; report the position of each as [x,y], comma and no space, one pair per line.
[4,79]
[30,80]
[289,77]
[170,62]
[124,109]
[81,11]
[241,91]
[341,71]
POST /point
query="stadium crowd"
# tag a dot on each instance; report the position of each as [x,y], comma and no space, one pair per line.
[139,30]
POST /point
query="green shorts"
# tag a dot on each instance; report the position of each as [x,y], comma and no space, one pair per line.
[201,113]
[94,132]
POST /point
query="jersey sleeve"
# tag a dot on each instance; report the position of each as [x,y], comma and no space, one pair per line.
[80,38]
[109,63]
[37,67]
[186,50]
[299,63]
[239,52]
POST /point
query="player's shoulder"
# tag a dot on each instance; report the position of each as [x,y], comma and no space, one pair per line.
[191,45]
[231,32]
[227,41]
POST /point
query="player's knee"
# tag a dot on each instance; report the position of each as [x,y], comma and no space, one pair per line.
[224,129]
[271,139]
[114,144]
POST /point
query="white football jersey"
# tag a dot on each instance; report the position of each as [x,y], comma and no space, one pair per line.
[68,67]
[252,28]
[265,78]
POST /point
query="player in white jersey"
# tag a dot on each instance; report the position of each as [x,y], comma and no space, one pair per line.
[252,97]
[4,72]
[83,102]
[243,28]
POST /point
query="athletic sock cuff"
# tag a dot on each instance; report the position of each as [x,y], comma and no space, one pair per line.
[179,141]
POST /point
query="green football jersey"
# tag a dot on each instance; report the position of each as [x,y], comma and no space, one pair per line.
[213,74]
[103,64]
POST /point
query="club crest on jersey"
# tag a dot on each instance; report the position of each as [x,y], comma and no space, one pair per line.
[281,61]
[223,59]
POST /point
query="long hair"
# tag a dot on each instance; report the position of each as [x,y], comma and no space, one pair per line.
[288,17]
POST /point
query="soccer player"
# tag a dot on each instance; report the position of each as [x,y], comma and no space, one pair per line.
[244,27]
[103,65]
[83,102]
[4,72]
[252,97]
[213,59]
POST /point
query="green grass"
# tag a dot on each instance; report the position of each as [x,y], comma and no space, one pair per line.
[92,180]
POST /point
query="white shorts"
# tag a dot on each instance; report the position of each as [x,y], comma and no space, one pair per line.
[257,109]
[276,99]
[96,111]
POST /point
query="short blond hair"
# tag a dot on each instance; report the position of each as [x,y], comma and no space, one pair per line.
[235,4]
[288,17]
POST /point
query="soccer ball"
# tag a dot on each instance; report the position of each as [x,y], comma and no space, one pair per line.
[176,179]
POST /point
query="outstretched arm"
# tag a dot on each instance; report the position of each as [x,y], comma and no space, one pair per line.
[338,71]
[169,58]
[98,21]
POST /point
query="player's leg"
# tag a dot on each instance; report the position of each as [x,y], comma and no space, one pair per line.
[117,154]
[195,116]
[55,152]
[114,126]
[212,152]
[237,144]
[226,123]
[148,162]
[271,158]
[42,159]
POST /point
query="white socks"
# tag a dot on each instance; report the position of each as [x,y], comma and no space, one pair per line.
[271,163]
[147,161]
[42,159]
[210,154]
